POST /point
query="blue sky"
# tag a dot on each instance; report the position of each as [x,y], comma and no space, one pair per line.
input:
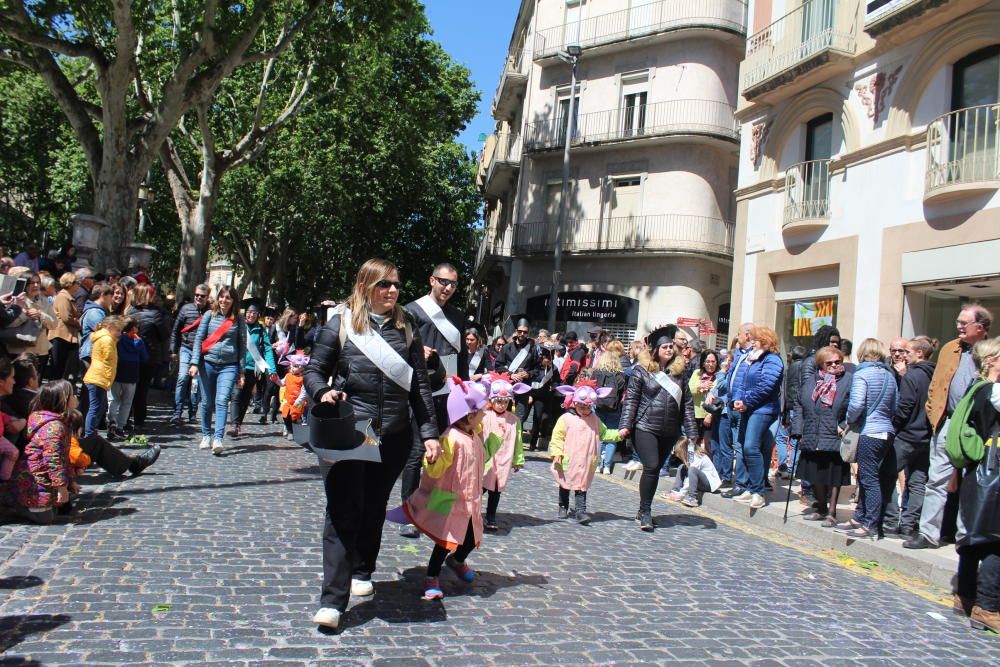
[475,33]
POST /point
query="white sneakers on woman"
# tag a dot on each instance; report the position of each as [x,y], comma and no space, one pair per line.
[327,617]
[206,442]
[217,447]
[361,588]
[757,502]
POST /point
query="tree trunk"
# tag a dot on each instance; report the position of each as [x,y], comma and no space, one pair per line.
[195,217]
[116,200]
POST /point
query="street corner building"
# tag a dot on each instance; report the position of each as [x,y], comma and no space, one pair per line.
[653,153]
[868,167]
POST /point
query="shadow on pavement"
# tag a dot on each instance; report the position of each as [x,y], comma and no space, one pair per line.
[237,449]
[688,520]
[21,581]
[506,522]
[600,517]
[15,629]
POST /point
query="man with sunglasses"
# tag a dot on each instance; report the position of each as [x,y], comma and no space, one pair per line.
[519,359]
[181,339]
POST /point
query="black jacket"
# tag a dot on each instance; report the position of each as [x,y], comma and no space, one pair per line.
[154,331]
[433,338]
[369,391]
[617,381]
[910,419]
[511,350]
[7,316]
[818,423]
[649,407]
[187,315]
[793,384]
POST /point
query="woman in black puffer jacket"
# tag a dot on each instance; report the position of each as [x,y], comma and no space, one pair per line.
[657,403]
[155,333]
[357,492]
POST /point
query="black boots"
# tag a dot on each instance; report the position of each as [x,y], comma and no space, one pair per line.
[645,519]
[142,461]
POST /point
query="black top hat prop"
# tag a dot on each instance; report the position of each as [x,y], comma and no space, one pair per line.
[336,434]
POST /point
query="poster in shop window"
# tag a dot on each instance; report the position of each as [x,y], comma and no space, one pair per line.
[811,315]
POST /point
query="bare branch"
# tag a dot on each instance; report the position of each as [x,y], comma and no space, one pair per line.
[16,23]
[18,58]
[287,36]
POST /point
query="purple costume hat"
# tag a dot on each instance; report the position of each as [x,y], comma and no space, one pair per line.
[499,386]
[296,360]
[464,398]
[584,394]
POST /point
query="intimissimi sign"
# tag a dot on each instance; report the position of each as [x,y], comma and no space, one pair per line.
[586,307]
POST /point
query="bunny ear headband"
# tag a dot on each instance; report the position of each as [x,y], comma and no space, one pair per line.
[584,394]
[501,387]
[295,360]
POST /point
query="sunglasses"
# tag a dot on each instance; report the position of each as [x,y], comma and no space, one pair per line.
[201,296]
[445,282]
[834,363]
[386,284]
[523,332]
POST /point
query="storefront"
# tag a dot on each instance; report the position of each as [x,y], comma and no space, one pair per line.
[806,301]
[578,311]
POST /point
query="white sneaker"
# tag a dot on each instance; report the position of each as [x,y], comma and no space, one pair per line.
[327,617]
[361,588]
[217,447]
[206,442]
[744,497]
[757,502]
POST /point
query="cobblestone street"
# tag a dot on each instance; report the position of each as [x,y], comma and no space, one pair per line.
[217,560]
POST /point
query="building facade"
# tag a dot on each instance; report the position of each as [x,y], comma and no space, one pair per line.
[868,166]
[648,236]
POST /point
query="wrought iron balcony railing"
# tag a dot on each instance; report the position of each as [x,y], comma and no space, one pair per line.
[963,151]
[807,192]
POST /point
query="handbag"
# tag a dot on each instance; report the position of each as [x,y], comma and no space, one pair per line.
[713,408]
[979,499]
[849,439]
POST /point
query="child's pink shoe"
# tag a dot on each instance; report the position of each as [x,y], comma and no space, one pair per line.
[676,496]
[463,571]
[432,589]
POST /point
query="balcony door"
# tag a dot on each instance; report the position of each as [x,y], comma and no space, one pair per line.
[573,32]
[807,183]
[818,17]
[635,92]
[562,115]
[626,205]
[973,146]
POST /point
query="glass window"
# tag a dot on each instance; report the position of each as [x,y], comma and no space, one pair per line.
[976,79]
[796,326]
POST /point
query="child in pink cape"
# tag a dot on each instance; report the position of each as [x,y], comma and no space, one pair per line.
[502,437]
[447,506]
[574,445]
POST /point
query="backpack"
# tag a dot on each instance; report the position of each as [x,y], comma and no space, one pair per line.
[963,444]
[606,379]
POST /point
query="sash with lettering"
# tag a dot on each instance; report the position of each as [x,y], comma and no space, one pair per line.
[670,385]
[475,360]
[379,352]
[450,333]
[521,357]
[544,379]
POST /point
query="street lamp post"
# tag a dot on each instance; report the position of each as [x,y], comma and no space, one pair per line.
[572,56]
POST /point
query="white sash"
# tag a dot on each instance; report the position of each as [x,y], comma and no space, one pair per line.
[558,362]
[380,353]
[450,363]
[258,360]
[670,385]
[441,323]
[545,378]
[474,361]
[519,359]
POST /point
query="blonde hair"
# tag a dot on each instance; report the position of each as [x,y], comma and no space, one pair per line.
[611,359]
[369,275]
[681,450]
[983,350]
[142,296]
[67,279]
[871,349]
[112,322]
[825,354]
[767,338]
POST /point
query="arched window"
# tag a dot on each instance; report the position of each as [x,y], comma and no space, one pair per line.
[976,79]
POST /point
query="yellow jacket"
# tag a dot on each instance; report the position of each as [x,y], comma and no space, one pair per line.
[103,360]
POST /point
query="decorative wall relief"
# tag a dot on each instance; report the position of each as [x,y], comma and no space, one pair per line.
[876,91]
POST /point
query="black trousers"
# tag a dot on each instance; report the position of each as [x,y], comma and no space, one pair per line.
[411,471]
[521,408]
[269,404]
[356,497]
[915,460]
[106,455]
[141,401]
[84,397]
[979,574]
[653,450]
[461,553]
[543,414]
[492,503]
[250,381]
[61,354]
[581,499]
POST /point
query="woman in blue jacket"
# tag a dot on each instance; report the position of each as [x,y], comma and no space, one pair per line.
[873,402]
[757,402]
[258,365]
[217,360]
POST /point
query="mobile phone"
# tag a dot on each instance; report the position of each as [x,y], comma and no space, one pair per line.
[20,285]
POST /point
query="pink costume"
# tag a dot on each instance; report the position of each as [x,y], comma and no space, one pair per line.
[576,439]
[503,436]
[502,433]
[451,491]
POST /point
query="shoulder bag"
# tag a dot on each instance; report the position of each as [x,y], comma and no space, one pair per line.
[849,440]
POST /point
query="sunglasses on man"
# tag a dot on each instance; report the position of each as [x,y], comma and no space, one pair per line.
[445,282]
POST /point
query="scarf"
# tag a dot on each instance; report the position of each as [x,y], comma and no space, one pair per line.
[826,390]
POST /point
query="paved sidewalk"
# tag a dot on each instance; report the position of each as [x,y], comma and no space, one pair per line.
[217,561]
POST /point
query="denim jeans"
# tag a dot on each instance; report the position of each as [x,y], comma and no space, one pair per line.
[788,447]
[216,384]
[755,442]
[186,390]
[611,420]
[742,478]
[97,407]
[722,446]
[876,478]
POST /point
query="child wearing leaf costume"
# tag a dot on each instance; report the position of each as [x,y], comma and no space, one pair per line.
[574,446]
[502,437]
[447,506]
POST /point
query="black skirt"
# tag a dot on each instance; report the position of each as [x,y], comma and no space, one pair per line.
[824,469]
